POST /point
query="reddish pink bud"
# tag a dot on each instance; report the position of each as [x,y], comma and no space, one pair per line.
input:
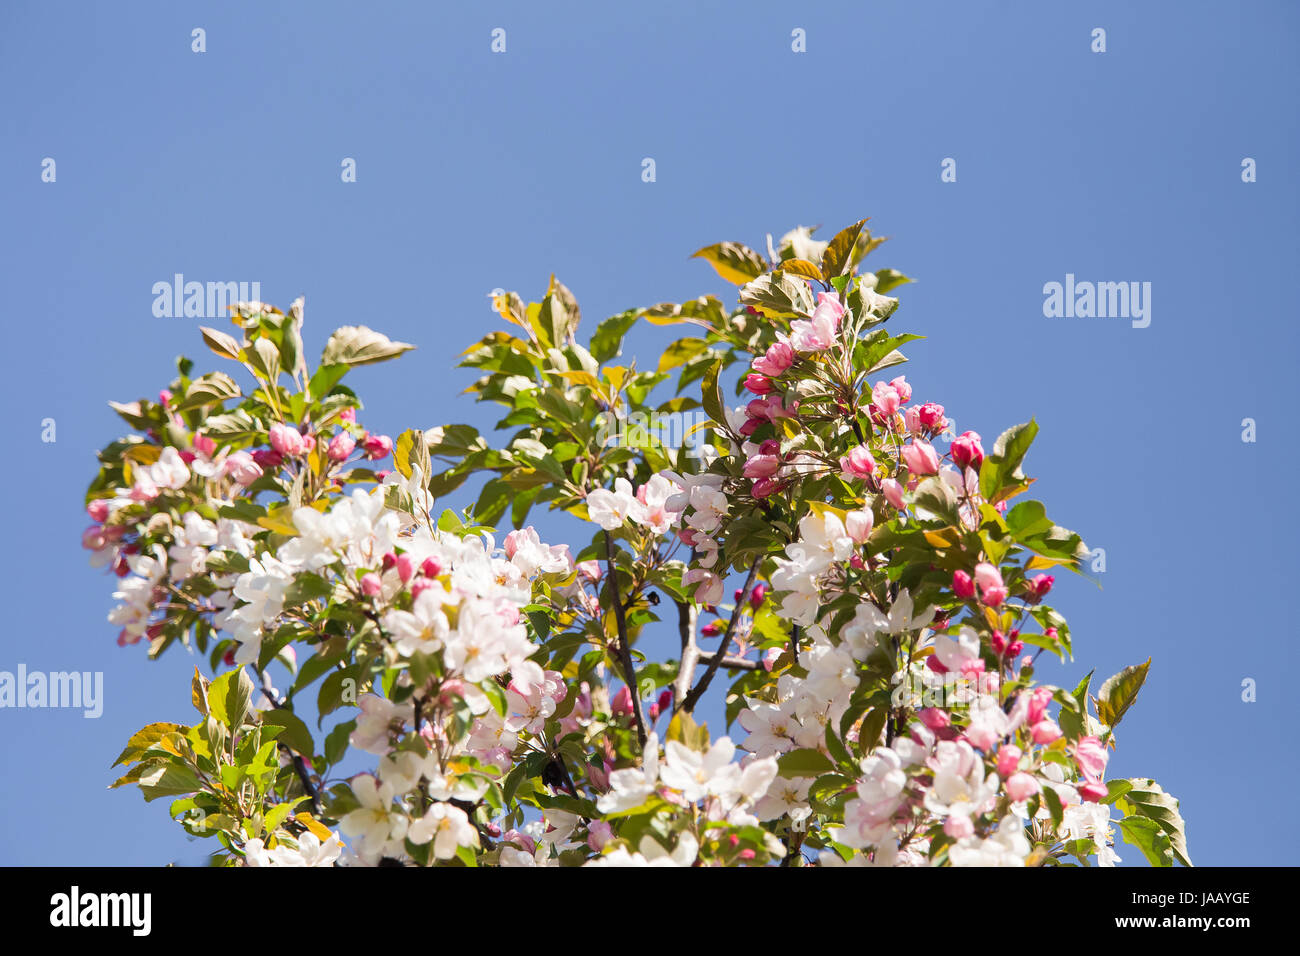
[934,718]
[930,416]
[419,586]
[757,594]
[998,643]
[962,585]
[98,510]
[1093,791]
[388,561]
[267,459]
[377,446]
[371,585]
[713,628]
[746,854]
[1015,647]
[1039,699]
[967,452]
[430,568]
[228,658]
[622,702]
[665,699]
[348,415]
[1052,634]
[405,567]
[921,458]
[935,665]
[765,487]
[758,384]
[893,492]
[204,445]
[1039,586]
[165,397]
[751,425]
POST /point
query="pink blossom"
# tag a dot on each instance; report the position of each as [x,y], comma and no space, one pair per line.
[98,510]
[621,705]
[1039,586]
[204,445]
[268,459]
[931,416]
[598,834]
[934,718]
[904,390]
[962,585]
[1039,699]
[405,567]
[371,585]
[989,579]
[758,384]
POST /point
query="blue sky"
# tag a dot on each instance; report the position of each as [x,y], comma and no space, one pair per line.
[478,170]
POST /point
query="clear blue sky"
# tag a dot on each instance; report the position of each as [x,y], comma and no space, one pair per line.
[478,170]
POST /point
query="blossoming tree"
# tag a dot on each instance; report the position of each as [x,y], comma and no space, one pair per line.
[875,664]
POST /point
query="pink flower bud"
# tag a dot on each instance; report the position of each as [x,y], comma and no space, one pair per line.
[989,580]
[762,466]
[962,585]
[765,487]
[904,390]
[776,361]
[999,643]
[931,416]
[598,834]
[1091,756]
[713,629]
[405,567]
[958,826]
[1015,647]
[98,510]
[1039,699]
[921,458]
[430,568]
[622,702]
[1094,791]
[1039,586]
[204,445]
[1045,732]
[377,446]
[758,384]
[1021,786]
[93,538]
[967,451]
[371,585]
[287,440]
[341,445]
[934,718]
[419,586]
[858,525]
[268,459]
[858,463]
[893,492]
[665,699]
[165,397]
[348,415]
[242,467]
[757,595]
[1008,760]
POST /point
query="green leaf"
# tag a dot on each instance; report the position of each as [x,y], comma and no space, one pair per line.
[713,403]
[229,698]
[805,762]
[143,739]
[1150,838]
[1147,799]
[325,378]
[607,342]
[1003,462]
[220,342]
[208,390]
[359,345]
[1117,694]
[293,732]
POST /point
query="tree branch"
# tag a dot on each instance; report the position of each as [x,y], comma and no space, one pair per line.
[298,764]
[698,690]
[624,651]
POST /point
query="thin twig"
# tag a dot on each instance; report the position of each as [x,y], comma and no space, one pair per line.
[624,651]
[698,690]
